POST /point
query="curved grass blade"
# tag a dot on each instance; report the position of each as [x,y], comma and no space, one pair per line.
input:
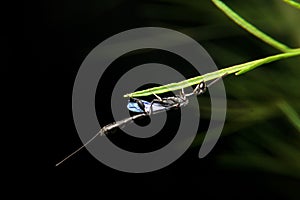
[237,69]
[292,3]
[250,28]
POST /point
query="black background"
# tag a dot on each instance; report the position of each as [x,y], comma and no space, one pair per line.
[58,35]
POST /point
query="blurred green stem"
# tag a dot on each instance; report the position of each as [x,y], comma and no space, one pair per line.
[290,113]
[292,3]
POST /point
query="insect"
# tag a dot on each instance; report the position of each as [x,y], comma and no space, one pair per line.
[157,105]
[163,104]
[145,108]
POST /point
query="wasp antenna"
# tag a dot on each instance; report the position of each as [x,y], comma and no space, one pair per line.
[77,150]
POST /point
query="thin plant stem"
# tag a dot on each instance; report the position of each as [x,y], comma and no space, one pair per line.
[250,28]
[292,3]
[237,69]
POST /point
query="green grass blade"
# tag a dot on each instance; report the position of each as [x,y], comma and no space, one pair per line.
[250,28]
[269,59]
[292,3]
[237,69]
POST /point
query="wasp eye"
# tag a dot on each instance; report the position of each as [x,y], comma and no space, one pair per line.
[202,86]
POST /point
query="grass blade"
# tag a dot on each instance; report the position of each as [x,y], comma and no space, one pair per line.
[237,69]
[292,3]
[250,28]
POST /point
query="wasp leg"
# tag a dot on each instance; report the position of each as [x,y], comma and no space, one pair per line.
[151,105]
[140,103]
[158,97]
[182,94]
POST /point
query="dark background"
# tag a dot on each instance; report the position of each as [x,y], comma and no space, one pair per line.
[258,153]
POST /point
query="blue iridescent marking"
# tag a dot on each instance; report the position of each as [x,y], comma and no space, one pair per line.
[134,107]
[156,107]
